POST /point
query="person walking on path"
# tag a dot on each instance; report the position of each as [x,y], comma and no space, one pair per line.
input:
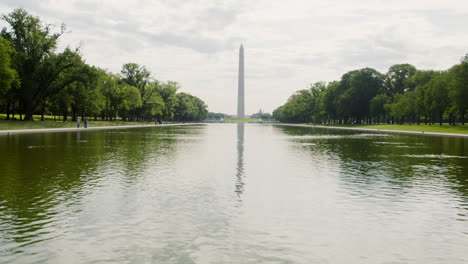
[85,122]
[78,121]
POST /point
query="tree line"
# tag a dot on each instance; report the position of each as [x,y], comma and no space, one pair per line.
[402,95]
[36,79]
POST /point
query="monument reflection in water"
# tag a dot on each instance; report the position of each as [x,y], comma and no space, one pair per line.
[240,159]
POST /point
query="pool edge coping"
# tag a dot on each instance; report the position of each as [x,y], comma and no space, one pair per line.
[76,129]
[379,130]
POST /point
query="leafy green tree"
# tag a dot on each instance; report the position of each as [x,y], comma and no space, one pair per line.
[327,103]
[93,101]
[342,99]
[137,76]
[202,109]
[111,90]
[35,77]
[84,98]
[436,97]
[458,89]
[377,107]
[315,90]
[359,87]
[8,75]
[60,104]
[130,101]
[298,108]
[403,93]
[152,104]
[403,107]
[419,81]
[168,93]
[190,108]
[396,79]
[279,115]
[39,68]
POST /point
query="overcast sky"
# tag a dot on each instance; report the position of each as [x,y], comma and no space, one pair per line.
[288,44]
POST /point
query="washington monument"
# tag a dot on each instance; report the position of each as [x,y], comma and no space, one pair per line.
[240,93]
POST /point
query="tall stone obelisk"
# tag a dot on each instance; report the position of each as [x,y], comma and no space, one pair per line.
[240,92]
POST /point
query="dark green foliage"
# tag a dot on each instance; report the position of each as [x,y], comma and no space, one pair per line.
[404,94]
[42,71]
[35,79]
[189,108]
[396,78]
[168,93]
[378,109]
[458,92]
[8,75]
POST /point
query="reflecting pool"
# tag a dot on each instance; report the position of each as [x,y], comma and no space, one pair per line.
[233,193]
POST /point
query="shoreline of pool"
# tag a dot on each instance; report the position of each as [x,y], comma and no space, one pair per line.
[76,129]
[379,130]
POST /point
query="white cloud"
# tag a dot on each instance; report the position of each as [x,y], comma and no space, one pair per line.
[288,44]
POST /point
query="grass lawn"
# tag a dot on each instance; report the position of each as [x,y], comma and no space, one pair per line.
[11,125]
[445,128]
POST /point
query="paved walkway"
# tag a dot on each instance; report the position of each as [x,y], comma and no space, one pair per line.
[382,130]
[74,129]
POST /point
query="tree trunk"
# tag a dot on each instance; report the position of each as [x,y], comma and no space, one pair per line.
[42,112]
[28,111]
[28,117]
[462,114]
[8,111]
[74,115]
